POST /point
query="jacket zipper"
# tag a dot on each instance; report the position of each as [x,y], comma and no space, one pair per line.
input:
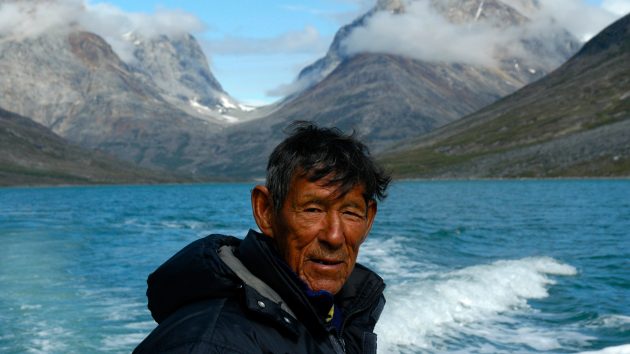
[361,309]
[338,344]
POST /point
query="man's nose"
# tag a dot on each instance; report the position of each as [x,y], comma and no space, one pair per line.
[333,230]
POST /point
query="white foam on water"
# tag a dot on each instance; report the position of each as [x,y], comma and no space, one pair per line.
[479,301]
[184,224]
[119,310]
[27,307]
[620,322]
[622,349]
[49,340]
[146,326]
[122,342]
[377,253]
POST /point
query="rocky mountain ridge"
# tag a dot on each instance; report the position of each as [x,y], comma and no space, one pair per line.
[180,70]
[164,109]
[497,13]
[160,107]
[88,95]
[387,98]
[573,123]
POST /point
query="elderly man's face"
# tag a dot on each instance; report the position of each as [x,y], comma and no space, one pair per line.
[318,232]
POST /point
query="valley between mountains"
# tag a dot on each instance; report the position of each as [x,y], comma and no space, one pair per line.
[536,102]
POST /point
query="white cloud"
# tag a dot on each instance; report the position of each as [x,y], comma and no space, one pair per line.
[104,18]
[34,18]
[29,19]
[583,20]
[422,33]
[283,90]
[308,40]
[618,7]
[112,23]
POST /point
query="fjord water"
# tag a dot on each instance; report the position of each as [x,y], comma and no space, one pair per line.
[471,266]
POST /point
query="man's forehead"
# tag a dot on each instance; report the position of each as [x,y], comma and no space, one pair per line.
[327,187]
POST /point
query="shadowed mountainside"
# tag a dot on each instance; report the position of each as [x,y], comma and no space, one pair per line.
[574,122]
[31,154]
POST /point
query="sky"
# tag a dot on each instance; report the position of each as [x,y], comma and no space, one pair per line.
[255,47]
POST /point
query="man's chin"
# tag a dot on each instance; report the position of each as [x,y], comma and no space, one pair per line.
[331,286]
[322,277]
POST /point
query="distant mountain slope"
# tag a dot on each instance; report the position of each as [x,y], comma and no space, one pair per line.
[75,84]
[552,48]
[574,122]
[31,154]
[387,98]
[147,97]
[179,69]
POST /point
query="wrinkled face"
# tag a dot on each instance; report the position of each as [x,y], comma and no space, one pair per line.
[318,232]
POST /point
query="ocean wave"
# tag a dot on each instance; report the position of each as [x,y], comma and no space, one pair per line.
[122,342]
[619,322]
[49,340]
[377,254]
[479,301]
[622,349]
[28,307]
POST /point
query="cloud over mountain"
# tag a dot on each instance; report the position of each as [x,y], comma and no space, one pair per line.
[33,18]
[619,7]
[421,32]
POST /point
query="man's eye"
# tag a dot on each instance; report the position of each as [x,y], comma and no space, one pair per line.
[312,210]
[353,214]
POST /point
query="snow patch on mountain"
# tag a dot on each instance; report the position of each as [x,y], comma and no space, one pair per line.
[479,11]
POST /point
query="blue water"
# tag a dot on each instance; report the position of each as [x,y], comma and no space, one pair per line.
[471,266]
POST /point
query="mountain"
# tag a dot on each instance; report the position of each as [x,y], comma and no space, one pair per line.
[151,99]
[544,51]
[316,72]
[386,98]
[31,154]
[179,69]
[574,122]
[72,82]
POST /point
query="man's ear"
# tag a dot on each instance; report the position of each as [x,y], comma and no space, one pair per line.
[371,214]
[262,207]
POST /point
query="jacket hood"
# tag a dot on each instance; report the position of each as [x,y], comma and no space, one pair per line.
[192,274]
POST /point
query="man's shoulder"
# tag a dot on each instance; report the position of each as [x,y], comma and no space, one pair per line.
[226,325]
[211,325]
[193,273]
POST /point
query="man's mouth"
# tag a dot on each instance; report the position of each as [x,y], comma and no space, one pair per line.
[327,261]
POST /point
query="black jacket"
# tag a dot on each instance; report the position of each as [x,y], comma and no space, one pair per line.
[205,301]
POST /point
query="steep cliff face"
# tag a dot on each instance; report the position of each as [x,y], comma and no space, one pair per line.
[179,69]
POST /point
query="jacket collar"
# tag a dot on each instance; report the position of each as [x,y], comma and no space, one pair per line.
[361,291]
[193,273]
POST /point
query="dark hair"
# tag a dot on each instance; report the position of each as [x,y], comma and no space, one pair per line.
[315,152]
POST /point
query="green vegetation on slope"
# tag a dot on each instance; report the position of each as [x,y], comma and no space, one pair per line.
[31,154]
[574,122]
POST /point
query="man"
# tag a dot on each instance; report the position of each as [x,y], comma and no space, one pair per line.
[295,287]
